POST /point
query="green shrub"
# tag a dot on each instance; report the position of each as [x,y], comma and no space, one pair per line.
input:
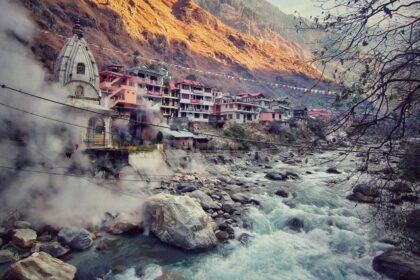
[236,130]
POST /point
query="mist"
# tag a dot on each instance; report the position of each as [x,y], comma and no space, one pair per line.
[30,143]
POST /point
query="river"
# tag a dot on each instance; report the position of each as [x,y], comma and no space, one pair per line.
[335,243]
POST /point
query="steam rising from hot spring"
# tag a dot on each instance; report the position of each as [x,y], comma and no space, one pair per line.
[31,143]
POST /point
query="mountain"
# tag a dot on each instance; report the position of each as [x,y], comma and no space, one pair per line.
[262,19]
[174,31]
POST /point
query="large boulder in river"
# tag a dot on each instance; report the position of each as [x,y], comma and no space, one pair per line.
[76,238]
[41,266]
[24,237]
[180,221]
[398,265]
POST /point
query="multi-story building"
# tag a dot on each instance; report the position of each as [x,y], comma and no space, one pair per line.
[235,109]
[159,89]
[170,100]
[131,103]
[150,80]
[256,98]
[196,100]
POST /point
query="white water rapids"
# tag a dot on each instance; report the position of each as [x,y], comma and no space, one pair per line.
[335,243]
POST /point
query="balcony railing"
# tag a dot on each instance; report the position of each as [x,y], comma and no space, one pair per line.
[195,110]
[154,93]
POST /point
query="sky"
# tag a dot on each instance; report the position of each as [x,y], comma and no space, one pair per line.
[303,7]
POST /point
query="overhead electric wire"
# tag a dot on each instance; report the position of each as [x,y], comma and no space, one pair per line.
[4,86]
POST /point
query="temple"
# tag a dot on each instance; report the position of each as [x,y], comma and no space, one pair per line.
[77,71]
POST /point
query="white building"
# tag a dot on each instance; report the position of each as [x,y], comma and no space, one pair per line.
[234,109]
[76,70]
[196,101]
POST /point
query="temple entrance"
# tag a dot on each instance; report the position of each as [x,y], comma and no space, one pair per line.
[96,133]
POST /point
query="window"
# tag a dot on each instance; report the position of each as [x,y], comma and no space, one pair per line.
[141,75]
[183,115]
[79,91]
[205,116]
[230,116]
[185,96]
[197,116]
[238,116]
[81,68]
[230,106]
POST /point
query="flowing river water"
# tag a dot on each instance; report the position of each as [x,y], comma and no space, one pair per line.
[335,243]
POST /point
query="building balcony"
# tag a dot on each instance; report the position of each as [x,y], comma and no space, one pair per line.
[195,110]
[171,106]
[154,93]
[169,96]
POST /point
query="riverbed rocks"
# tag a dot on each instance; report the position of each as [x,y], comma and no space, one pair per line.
[400,187]
[282,193]
[123,223]
[180,221]
[185,187]
[54,248]
[332,170]
[205,200]
[278,176]
[42,266]
[363,193]
[24,237]
[76,238]
[398,265]
[22,224]
[7,256]
[295,224]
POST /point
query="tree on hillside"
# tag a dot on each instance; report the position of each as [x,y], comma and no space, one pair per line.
[374,47]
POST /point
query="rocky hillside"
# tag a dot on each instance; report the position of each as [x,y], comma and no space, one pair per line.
[174,31]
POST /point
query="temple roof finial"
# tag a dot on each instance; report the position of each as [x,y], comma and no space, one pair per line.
[77,29]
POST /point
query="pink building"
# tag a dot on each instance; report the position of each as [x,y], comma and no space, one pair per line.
[268,117]
[319,113]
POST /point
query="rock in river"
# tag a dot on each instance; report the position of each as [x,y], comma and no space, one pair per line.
[76,238]
[398,265]
[185,187]
[41,266]
[24,237]
[54,249]
[205,200]
[7,256]
[180,221]
[123,224]
[333,170]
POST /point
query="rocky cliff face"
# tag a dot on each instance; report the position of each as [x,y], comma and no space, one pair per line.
[174,31]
